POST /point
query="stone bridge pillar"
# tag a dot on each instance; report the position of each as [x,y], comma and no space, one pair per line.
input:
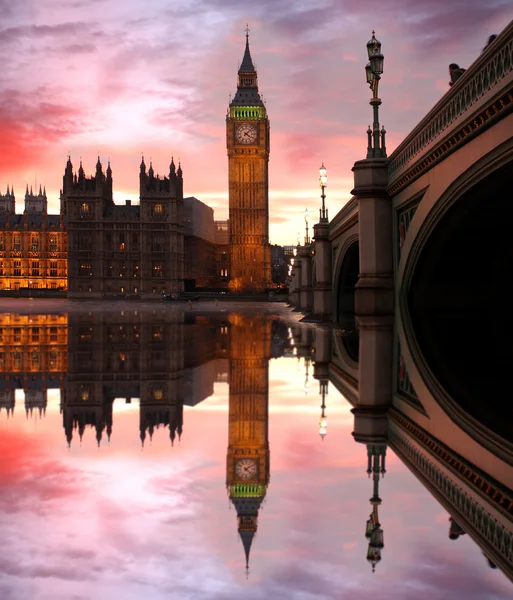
[305,299]
[322,292]
[296,282]
[375,375]
[374,294]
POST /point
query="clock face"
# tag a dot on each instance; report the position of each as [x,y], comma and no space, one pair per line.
[246,134]
[246,468]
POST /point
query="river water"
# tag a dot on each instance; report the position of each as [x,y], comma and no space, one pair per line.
[155,451]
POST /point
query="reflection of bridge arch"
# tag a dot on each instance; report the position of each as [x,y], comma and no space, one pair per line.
[456,295]
[347,268]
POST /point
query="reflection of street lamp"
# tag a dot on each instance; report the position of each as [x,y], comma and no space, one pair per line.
[307,383]
[307,219]
[373,530]
[323,421]
[323,182]
[373,71]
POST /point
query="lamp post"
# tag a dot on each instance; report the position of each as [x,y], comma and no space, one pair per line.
[323,421]
[323,182]
[307,382]
[307,219]
[373,71]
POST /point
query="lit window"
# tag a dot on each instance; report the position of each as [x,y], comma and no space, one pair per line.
[84,209]
[157,394]
[157,333]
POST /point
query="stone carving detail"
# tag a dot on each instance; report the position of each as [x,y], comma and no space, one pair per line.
[403,380]
[404,218]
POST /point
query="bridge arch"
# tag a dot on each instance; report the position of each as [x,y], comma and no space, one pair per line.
[347,269]
[456,297]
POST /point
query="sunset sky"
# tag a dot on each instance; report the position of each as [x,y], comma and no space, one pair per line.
[122,78]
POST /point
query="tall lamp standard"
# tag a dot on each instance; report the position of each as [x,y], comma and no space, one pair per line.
[307,219]
[323,182]
[323,421]
[373,70]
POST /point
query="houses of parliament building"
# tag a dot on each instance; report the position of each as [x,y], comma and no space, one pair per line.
[95,248]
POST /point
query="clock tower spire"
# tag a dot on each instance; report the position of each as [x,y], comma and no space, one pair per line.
[247,140]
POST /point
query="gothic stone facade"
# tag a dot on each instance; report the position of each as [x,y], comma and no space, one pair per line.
[123,250]
[247,139]
[33,245]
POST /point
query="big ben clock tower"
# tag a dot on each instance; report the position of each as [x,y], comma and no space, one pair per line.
[247,460]
[247,141]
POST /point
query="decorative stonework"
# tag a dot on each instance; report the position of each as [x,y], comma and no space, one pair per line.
[404,218]
[494,492]
[473,514]
[489,71]
[403,380]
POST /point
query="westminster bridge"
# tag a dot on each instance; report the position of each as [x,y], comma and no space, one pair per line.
[410,287]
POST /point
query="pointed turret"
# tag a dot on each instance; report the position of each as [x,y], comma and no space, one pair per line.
[179,172]
[172,168]
[247,540]
[99,171]
[247,62]
[109,171]
[247,86]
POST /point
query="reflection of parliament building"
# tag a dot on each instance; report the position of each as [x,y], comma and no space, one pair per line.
[166,359]
[33,357]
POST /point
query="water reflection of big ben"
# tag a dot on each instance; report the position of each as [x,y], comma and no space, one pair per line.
[247,463]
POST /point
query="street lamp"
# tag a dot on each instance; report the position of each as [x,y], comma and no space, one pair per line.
[323,182]
[307,219]
[323,421]
[373,71]
[307,382]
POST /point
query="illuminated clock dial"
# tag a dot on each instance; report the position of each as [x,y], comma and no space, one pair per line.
[246,468]
[246,134]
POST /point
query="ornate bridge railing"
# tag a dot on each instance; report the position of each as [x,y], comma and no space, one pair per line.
[481,96]
[479,504]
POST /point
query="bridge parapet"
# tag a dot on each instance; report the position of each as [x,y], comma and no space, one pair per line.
[482,95]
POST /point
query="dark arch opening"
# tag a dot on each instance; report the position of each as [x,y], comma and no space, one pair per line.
[349,273]
[461,303]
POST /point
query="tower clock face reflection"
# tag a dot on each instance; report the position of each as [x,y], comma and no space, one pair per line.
[246,134]
[246,468]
